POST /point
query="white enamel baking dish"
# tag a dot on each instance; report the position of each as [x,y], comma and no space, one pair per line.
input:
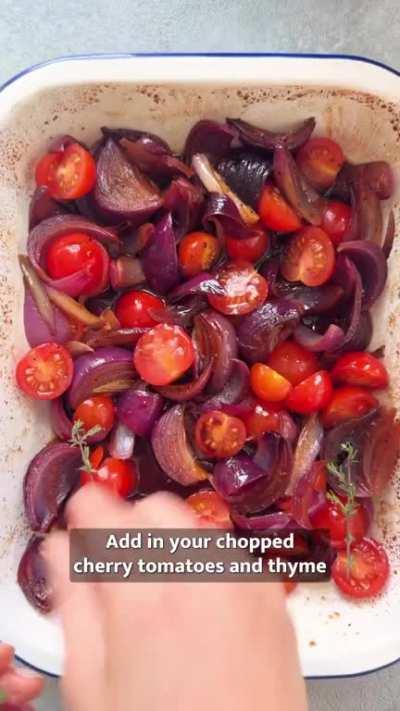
[357,103]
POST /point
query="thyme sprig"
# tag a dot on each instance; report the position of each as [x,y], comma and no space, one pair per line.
[79,437]
[348,508]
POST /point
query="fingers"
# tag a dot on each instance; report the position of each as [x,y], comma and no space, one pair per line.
[6,656]
[81,617]
[20,685]
[94,507]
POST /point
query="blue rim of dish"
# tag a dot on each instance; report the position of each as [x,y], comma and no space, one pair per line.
[244,55]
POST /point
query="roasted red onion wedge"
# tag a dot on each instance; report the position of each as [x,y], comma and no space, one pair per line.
[51,476]
[263,329]
[33,579]
[43,206]
[306,202]
[153,159]
[139,409]
[182,392]
[370,261]
[269,140]
[97,371]
[246,173]
[160,258]
[172,449]
[209,137]
[122,191]
[215,338]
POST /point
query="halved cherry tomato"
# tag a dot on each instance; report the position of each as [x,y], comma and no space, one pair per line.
[197,252]
[219,435]
[245,289]
[336,220]
[45,372]
[78,252]
[312,394]
[163,354]
[292,361]
[331,518]
[275,212]
[68,174]
[320,160]
[210,508]
[133,309]
[366,574]
[268,384]
[359,368]
[347,402]
[96,411]
[118,475]
[249,249]
[309,257]
[262,417]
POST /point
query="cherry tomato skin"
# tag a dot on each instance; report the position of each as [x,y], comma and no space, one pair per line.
[320,481]
[117,475]
[97,410]
[219,435]
[268,384]
[249,249]
[245,289]
[336,220]
[96,457]
[210,508]
[76,252]
[45,372]
[292,361]
[197,252]
[367,574]
[309,257]
[275,213]
[312,394]
[330,517]
[289,586]
[347,402]
[320,160]
[262,417]
[68,174]
[163,354]
[133,309]
[359,368]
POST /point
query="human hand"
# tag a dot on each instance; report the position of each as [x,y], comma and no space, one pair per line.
[18,685]
[168,646]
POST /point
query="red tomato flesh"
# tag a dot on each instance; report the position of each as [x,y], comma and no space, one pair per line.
[275,213]
[330,517]
[292,361]
[309,257]
[197,252]
[249,249]
[163,354]
[245,289]
[117,475]
[320,160]
[262,417]
[133,309]
[336,220]
[67,174]
[219,435]
[210,508]
[96,411]
[312,394]
[347,402]
[45,372]
[359,368]
[76,252]
[366,574]
[268,384]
